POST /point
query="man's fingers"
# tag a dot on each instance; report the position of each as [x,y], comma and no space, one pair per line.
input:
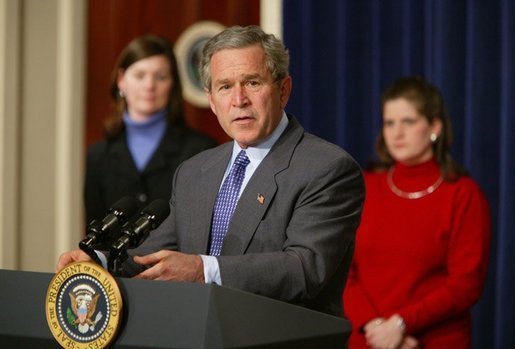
[153,258]
[171,265]
[153,273]
[71,256]
[149,259]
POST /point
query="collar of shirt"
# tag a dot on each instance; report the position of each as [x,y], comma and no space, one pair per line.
[258,153]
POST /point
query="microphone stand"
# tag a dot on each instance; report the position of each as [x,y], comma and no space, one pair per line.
[87,244]
[131,237]
[115,260]
[135,233]
[92,254]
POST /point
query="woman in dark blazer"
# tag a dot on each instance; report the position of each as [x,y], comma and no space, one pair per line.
[146,137]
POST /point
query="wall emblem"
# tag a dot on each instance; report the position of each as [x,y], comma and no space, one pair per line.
[188,49]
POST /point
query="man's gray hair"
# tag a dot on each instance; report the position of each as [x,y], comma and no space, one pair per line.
[277,57]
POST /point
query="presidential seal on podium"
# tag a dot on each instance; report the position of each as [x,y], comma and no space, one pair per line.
[83,306]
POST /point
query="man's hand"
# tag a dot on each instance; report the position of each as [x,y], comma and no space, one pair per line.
[72,256]
[171,265]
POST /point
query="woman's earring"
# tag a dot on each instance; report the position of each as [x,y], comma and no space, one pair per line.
[433,137]
[121,94]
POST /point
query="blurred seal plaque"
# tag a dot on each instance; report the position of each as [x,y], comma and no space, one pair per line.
[188,49]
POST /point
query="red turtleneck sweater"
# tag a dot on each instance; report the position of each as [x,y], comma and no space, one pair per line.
[424,259]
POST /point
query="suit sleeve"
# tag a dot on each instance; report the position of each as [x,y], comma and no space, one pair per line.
[320,222]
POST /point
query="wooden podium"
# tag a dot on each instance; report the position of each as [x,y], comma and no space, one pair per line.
[160,314]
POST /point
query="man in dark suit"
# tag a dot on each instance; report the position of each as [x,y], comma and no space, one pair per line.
[291,234]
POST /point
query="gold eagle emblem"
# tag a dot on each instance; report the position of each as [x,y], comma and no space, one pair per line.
[83,301]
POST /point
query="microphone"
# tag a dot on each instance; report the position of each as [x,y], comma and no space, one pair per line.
[117,215]
[133,234]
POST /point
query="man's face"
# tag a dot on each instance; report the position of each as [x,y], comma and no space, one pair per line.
[246,100]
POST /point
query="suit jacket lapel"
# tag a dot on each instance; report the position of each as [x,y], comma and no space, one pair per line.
[251,208]
[121,161]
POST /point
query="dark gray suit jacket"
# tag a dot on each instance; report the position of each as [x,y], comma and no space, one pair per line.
[297,245]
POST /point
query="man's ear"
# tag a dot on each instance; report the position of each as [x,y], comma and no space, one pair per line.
[210,99]
[286,86]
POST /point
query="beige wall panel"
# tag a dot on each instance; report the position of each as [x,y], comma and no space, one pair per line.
[10,31]
[38,134]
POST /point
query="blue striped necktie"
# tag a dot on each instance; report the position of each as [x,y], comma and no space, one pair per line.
[226,201]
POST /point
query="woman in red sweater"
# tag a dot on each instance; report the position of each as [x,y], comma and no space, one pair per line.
[422,247]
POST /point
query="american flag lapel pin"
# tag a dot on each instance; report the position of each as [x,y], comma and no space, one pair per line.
[261,199]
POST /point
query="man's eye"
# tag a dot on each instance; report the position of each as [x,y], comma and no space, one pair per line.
[253,83]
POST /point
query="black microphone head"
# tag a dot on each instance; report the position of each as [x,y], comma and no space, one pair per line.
[156,211]
[126,207]
[134,233]
[101,231]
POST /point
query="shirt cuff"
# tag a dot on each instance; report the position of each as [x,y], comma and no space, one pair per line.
[211,270]
[103,259]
